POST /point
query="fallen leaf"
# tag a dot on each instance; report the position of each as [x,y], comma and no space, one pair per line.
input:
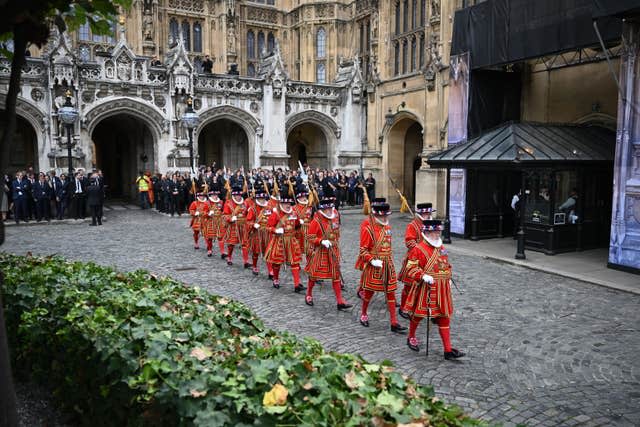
[277,396]
[223,301]
[307,386]
[196,393]
[201,353]
[350,380]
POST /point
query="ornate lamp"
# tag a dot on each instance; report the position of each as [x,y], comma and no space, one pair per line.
[68,115]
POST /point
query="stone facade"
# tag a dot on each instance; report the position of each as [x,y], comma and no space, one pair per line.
[357,85]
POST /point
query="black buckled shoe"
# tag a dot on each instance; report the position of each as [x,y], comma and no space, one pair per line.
[398,328]
[453,354]
[364,321]
[403,314]
[247,265]
[344,306]
[223,256]
[270,277]
[412,343]
[229,262]
[298,289]
[308,300]
[276,284]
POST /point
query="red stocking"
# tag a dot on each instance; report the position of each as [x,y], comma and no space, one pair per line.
[209,244]
[366,298]
[310,288]
[245,255]
[270,268]
[391,304]
[196,236]
[337,289]
[254,259]
[295,272]
[443,328]
[221,246]
[276,271]
[230,252]
[413,326]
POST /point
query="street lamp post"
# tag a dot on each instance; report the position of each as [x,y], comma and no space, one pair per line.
[190,120]
[68,115]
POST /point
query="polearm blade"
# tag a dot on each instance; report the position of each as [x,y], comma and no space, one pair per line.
[428,317]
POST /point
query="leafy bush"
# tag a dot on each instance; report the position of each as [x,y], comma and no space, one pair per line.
[136,349]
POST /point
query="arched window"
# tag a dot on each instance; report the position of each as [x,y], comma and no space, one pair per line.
[271,2]
[251,44]
[414,57]
[414,13]
[197,37]
[83,32]
[362,49]
[173,30]
[251,70]
[405,56]
[260,43]
[422,51]
[271,43]
[186,35]
[398,17]
[321,43]
[423,11]
[405,16]
[396,59]
[321,73]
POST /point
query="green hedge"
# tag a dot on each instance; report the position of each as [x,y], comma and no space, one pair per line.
[137,349]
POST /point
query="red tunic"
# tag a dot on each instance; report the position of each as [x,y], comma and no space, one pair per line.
[236,231]
[375,243]
[324,263]
[283,248]
[213,226]
[202,208]
[304,212]
[426,259]
[258,238]
[412,236]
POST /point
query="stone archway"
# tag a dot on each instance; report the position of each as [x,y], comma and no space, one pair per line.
[223,142]
[148,114]
[313,136]
[124,145]
[23,151]
[403,157]
[236,116]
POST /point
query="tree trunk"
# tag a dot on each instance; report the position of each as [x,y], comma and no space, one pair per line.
[8,413]
[9,116]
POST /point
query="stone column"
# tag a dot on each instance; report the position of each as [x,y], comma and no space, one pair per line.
[274,138]
[624,249]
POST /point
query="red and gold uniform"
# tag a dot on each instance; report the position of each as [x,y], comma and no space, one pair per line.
[214,228]
[412,236]
[429,273]
[198,210]
[376,263]
[258,237]
[323,238]
[305,213]
[235,216]
[284,248]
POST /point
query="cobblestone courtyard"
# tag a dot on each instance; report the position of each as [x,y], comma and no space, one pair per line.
[542,349]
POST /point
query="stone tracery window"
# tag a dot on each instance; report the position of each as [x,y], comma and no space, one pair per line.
[251,70]
[83,32]
[260,43]
[321,43]
[396,59]
[271,43]
[414,13]
[413,54]
[404,56]
[397,17]
[197,37]
[422,51]
[186,35]
[423,7]
[321,73]
[405,16]
[174,31]
[251,44]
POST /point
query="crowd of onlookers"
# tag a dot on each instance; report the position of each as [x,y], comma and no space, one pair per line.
[172,192]
[29,196]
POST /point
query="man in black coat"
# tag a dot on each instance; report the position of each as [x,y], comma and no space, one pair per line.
[95,198]
[174,190]
[55,183]
[42,195]
[78,195]
[61,196]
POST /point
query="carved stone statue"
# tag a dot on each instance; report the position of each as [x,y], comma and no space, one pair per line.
[231,38]
[147,26]
[435,8]
[181,108]
[374,24]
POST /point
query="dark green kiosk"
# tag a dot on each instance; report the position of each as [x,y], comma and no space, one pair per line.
[566,171]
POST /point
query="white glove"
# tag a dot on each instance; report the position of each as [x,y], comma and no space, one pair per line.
[301,221]
[279,230]
[234,218]
[326,243]
[428,279]
[377,263]
[211,213]
[256,225]
[197,213]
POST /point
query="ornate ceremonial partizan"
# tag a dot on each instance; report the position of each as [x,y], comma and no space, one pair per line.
[429,273]
[323,263]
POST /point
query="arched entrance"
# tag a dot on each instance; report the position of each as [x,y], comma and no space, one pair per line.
[307,143]
[405,146]
[22,152]
[225,143]
[123,146]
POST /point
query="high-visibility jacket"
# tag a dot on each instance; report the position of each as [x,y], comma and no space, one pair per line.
[143,183]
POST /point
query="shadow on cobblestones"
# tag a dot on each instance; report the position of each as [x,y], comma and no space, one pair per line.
[543,350]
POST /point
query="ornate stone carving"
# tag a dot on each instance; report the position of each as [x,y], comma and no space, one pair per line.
[434,64]
[256,14]
[244,118]
[316,117]
[159,100]
[147,26]
[314,93]
[324,10]
[254,107]
[231,37]
[139,109]
[187,5]
[333,111]
[435,11]
[88,96]
[37,95]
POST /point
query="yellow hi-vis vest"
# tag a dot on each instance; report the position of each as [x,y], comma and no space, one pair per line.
[143,184]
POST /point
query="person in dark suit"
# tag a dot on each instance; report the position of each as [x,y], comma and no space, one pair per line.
[54,183]
[29,182]
[61,196]
[95,198]
[20,197]
[78,195]
[42,195]
[174,189]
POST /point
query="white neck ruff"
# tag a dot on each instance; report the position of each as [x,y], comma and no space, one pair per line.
[286,211]
[380,222]
[327,216]
[236,202]
[434,243]
[261,204]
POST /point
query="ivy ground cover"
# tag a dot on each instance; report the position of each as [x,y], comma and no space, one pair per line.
[137,349]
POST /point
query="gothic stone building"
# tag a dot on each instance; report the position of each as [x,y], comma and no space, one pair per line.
[359,85]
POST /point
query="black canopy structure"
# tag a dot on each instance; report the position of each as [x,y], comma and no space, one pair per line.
[527,144]
[547,163]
